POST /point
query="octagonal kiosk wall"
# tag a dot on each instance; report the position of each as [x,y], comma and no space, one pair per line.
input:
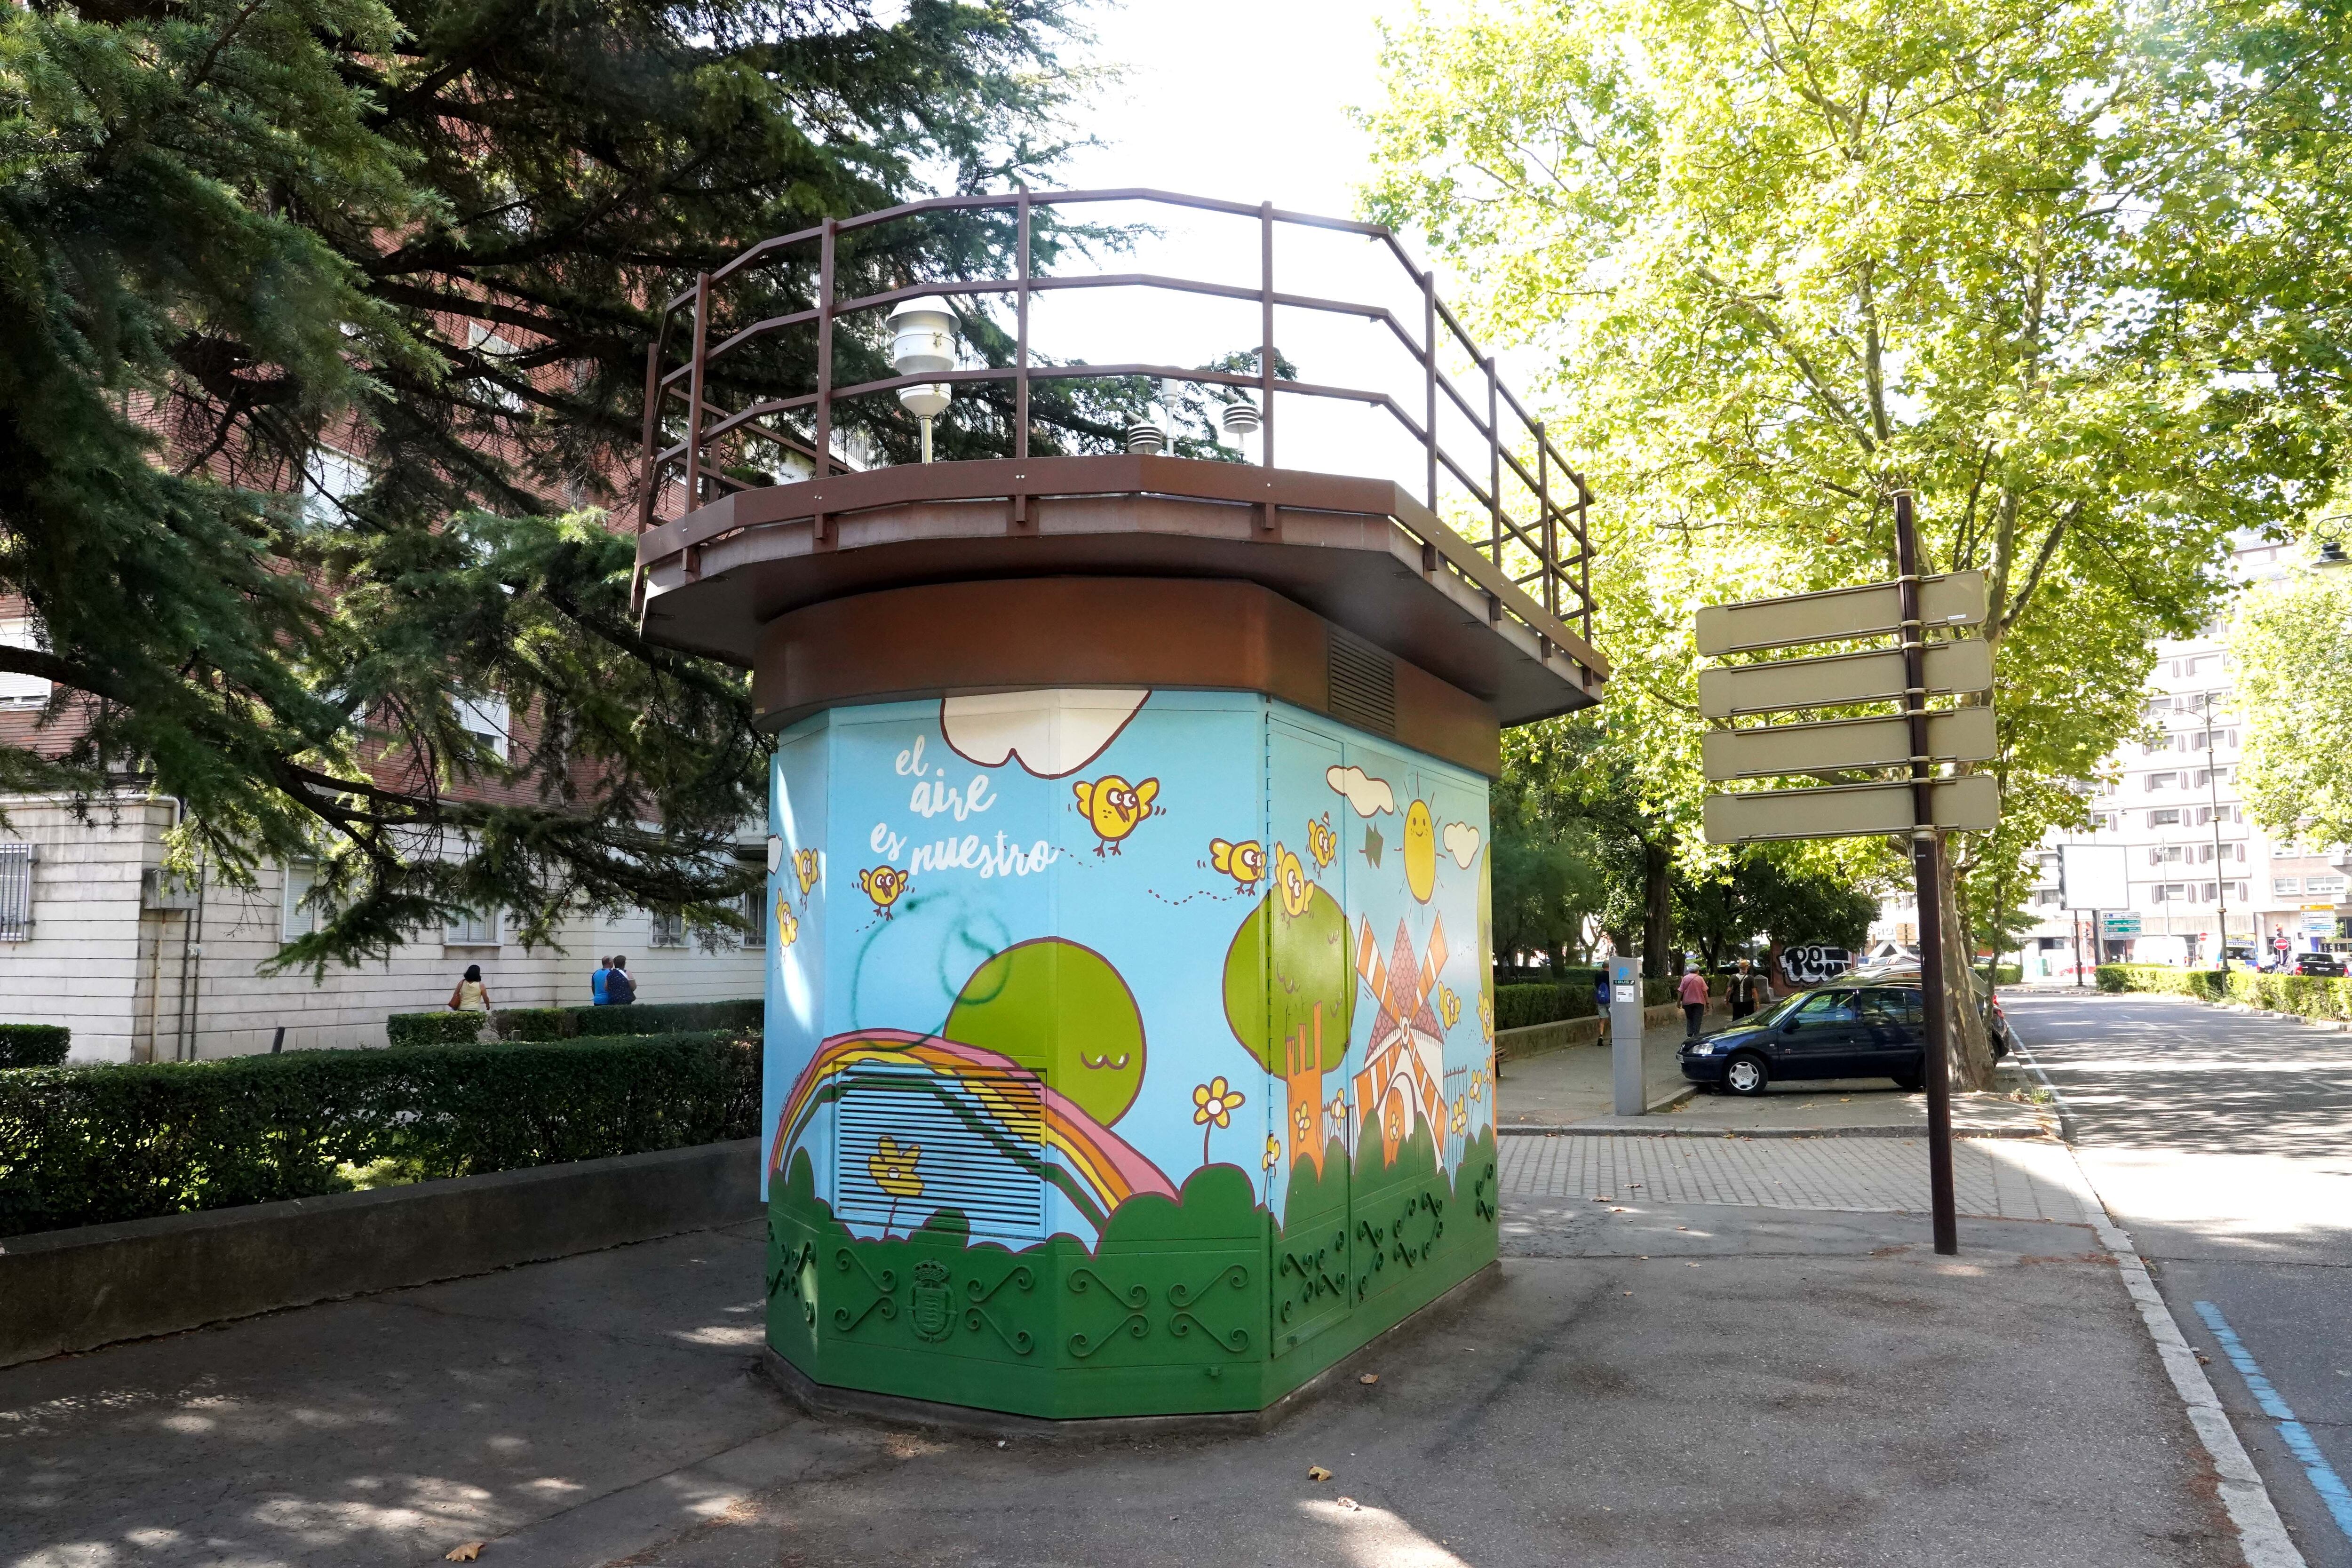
[1127,1052]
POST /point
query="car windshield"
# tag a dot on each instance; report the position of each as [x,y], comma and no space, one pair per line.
[1776,1012]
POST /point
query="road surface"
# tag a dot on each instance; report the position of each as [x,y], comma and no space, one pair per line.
[2223,1141]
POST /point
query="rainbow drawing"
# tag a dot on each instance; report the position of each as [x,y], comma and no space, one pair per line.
[991,1094]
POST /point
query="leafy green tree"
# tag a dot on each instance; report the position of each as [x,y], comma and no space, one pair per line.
[2021,260]
[1789,894]
[2294,644]
[427,234]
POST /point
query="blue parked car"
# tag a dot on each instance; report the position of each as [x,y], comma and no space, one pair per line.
[1852,1029]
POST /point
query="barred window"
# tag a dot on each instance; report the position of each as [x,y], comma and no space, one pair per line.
[16,892]
[755,917]
[299,914]
[668,930]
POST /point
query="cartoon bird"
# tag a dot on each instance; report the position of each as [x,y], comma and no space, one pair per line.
[1420,850]
[1243,862]
[804,869]
[1113,807]
[883,884]
[1290,877]
[1486,1017]
[788,929]
[1449,1006]
[1322,842]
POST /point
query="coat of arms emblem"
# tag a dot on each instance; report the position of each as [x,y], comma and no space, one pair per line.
[934,1318]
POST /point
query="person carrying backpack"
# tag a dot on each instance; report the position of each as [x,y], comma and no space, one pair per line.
[619,989]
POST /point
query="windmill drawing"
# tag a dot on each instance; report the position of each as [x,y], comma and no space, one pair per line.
[1405,1064]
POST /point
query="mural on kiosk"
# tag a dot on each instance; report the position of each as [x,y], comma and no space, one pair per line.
[1041,957]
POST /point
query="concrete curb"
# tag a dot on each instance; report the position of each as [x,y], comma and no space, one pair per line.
[1626,1128]
[66,1291]
[2262,1534]
[826,1400]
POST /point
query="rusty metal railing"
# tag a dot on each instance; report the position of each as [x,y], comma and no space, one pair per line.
[1541,546]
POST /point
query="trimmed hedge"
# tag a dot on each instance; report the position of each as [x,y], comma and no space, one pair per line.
[34,1044]
[2306,995]
[442,1028]
[88,1145]
[1524,1006]
[445,1028]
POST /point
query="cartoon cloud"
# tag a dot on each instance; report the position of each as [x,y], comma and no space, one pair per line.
[1368,794]
[1050,733]
[1462,842]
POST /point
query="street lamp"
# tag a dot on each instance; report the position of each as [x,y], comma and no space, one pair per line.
[923,343]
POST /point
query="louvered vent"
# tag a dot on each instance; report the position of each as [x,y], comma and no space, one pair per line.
[910,1142]
[1363,684]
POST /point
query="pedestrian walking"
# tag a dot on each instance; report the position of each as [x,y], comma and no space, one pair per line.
[471,995]
[597,984]
[619,989]
[1694,997]
[1750,988]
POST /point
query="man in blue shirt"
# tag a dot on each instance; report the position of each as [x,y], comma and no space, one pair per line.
[596,983]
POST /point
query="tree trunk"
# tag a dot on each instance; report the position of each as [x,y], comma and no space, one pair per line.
[1968,1048]
[1657,912]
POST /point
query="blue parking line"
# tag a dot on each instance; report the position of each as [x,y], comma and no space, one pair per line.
[2297,1437]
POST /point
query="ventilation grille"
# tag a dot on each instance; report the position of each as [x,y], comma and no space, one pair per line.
[1363,684]
[975,1143]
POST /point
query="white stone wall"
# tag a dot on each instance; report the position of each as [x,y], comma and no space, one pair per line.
[138,986]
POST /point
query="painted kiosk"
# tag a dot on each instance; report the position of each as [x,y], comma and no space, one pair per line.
[1129,1028]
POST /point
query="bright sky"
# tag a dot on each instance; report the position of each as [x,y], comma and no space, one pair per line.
[1248,100]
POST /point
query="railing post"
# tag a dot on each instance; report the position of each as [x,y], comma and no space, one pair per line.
[1551,531]
[1265,351]
[823,366]
[1584,552]
[1021,336]
[1429,367]
[694,391]
[653,431]
[1494,470]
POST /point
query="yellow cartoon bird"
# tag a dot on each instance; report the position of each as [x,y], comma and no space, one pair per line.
[1322,842]
[1243,862]
[1420,850]
[804,866]
[788,929]
[883,884]
[1290,877]
[1113,807]
[1449,1006]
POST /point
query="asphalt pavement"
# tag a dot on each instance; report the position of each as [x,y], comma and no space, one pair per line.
[2222,1143]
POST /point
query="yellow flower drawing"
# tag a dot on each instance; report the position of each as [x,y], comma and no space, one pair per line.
[1273,1152]
[1213,1101]
[1461,1115]
[1478,1084]
[892,1166]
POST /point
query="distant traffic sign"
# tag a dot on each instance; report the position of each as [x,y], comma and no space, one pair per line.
[2119,925]
[1840,679]
[1968,803]
[1875,610]
[1956,734]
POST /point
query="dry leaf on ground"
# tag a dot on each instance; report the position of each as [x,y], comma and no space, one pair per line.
[465,1551]
[1349,1502]
[1317,1473]
[1369,1378]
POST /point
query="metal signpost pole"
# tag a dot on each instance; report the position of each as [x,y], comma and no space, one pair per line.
[1625,1009]
[1926,863]
[2220,872]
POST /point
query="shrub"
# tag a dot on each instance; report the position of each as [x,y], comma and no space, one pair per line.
[1524,1006]
[2306,995]
[91,1144]
[34,1044]
[445,1028]
[442,1028]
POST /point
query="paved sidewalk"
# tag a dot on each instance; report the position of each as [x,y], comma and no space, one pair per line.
[1572,1084]
[1652,1385]
[1996,1178]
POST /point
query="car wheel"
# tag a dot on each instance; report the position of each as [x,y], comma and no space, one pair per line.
[1746,1074]
[1909,1082]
